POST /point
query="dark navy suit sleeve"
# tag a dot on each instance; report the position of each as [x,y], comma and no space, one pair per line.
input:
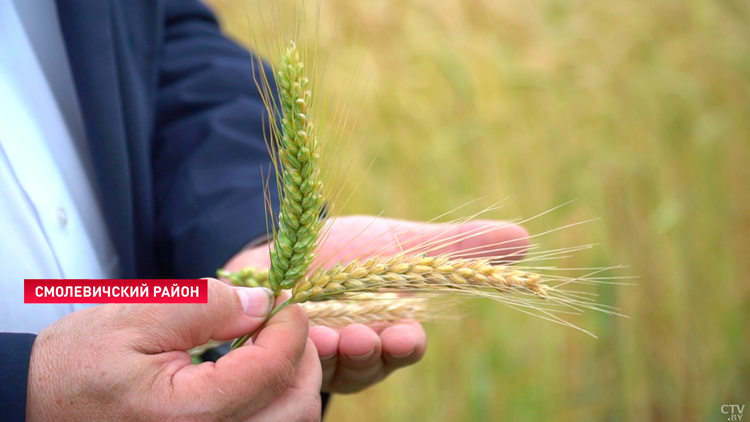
[15,351]
[210,159]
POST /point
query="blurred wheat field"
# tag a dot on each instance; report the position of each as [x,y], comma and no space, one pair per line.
[638,110]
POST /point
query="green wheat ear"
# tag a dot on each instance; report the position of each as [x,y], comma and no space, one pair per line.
[299,221]
[301,190]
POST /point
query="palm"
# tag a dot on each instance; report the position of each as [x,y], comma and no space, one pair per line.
[358,356]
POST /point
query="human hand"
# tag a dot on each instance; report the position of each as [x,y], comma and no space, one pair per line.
[358,356]
[130,362]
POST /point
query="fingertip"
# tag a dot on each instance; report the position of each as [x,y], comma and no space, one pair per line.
[326,340]
[404,341]
[359,343]
[514,234]
[513,230]
[497,239]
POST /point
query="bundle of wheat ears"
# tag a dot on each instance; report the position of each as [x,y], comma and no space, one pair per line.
[382,288]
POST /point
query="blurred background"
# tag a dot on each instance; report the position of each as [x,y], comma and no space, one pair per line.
[639,110]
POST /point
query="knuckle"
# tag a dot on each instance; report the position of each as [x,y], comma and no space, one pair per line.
[220,300]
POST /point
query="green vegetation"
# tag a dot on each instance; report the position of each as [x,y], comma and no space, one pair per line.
[639,110]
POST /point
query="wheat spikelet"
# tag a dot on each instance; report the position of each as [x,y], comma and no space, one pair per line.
[246,277]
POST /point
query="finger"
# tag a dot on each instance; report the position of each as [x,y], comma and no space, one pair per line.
[403,345]
[249,377]
[495,239]
[359,360]
[360,236]
[301,402]
[473,239]
[327,343]
[230,312]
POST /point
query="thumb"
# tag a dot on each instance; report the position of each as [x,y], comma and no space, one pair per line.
[231,312]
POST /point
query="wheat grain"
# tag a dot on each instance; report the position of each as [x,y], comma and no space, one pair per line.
[246,277]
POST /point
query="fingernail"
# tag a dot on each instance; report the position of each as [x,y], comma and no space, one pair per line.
[361,358]
[257,302]
[402,355]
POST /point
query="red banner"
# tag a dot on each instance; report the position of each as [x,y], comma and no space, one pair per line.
[115,291]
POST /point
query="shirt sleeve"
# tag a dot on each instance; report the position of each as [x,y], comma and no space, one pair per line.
[210,160]
[15,353]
